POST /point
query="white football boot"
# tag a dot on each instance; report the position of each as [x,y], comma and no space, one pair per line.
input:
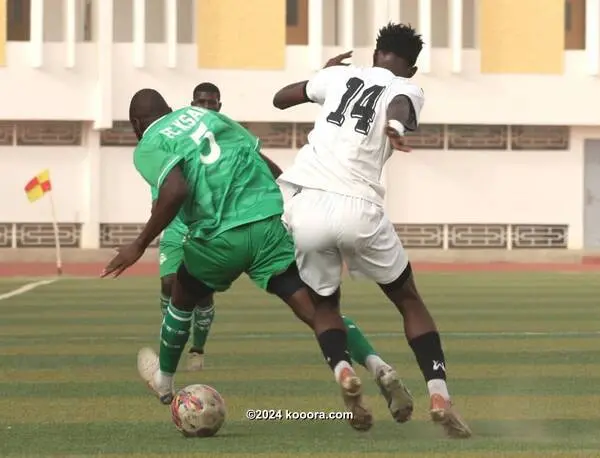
[149,369]
[362,418]
[195,361]
[399,399]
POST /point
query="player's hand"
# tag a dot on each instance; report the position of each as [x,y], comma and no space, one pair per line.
[127,256]
[398,141]
[339,60]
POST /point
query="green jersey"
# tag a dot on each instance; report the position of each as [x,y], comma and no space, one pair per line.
[230,185]
[176,227]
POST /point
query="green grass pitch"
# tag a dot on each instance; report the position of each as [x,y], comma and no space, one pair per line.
[522,352]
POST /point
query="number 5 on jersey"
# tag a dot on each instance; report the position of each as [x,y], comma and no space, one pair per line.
[363,109]
[201,133]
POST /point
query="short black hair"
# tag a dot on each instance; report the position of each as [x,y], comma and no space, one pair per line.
[206,87]
[146,104]
[401,40]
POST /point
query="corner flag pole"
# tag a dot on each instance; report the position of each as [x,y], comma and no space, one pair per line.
[56,237]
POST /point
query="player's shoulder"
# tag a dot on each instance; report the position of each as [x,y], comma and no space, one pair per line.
[143,150]
[401,85]
[340,74]
[336,72]
[151,140]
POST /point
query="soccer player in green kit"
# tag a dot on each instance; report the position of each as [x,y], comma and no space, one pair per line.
[399,401]
[205,95]
[208,170]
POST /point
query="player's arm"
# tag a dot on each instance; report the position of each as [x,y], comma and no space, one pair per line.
[162,170]
[312,90]
[402,116]
[172,195]
[291,96]
[401,109]
[274,168]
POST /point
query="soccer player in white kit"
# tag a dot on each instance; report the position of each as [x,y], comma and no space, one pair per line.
[335,205]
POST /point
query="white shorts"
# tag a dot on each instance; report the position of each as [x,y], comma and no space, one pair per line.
[330,229]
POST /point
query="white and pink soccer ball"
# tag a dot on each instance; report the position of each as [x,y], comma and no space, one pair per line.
[198,411]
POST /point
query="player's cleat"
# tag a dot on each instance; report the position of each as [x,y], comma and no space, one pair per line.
[444,414]
[148,368]
[195,360]
[362,419]
[399,399]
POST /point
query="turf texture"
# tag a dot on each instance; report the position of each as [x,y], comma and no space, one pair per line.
[522,352]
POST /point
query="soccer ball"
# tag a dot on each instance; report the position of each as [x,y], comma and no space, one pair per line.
[198,411]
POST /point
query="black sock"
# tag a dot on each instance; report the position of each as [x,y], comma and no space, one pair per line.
[430,356]
[334,346]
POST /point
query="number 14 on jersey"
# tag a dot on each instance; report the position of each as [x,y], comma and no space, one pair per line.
[363,109]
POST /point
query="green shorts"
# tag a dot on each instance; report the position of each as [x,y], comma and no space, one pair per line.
[261,249]
[170,252]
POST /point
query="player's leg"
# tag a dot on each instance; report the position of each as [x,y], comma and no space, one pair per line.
[205,269]
[203,318]
[361,350]
[171,257]
[166,288]
[204,315]
[167,268]
[274,269]
[384,259]
[424,339]
[158,370]
[310,216]
[397,396]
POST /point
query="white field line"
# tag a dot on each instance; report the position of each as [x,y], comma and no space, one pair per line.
[26,288]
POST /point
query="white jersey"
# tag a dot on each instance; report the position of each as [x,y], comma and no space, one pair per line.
[347,147]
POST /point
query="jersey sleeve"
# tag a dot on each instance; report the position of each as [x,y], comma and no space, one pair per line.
[154,163]
[413,92]
[317,86]
[154,193]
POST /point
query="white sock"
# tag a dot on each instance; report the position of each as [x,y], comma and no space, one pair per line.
[374,364]
[163,381]
[438,386]
[337,370]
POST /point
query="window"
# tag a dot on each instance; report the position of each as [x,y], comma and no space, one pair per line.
[575,24]
[186,21]
[18,20]
[440,21]
[155,21]
[123,21]
[84,33]
[296,20]
[54,20]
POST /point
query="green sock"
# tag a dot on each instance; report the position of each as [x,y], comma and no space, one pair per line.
[203,318]
[358,345]
[164,303]
[173,337]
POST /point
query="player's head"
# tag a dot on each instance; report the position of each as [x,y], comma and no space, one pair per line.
[146,106]
[397,49]
[207,95]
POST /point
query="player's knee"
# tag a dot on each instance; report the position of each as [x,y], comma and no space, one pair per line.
[188,291]
[330,302]
[399,283]
[166,285]
[286,284]
[206,303]
[403,291]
